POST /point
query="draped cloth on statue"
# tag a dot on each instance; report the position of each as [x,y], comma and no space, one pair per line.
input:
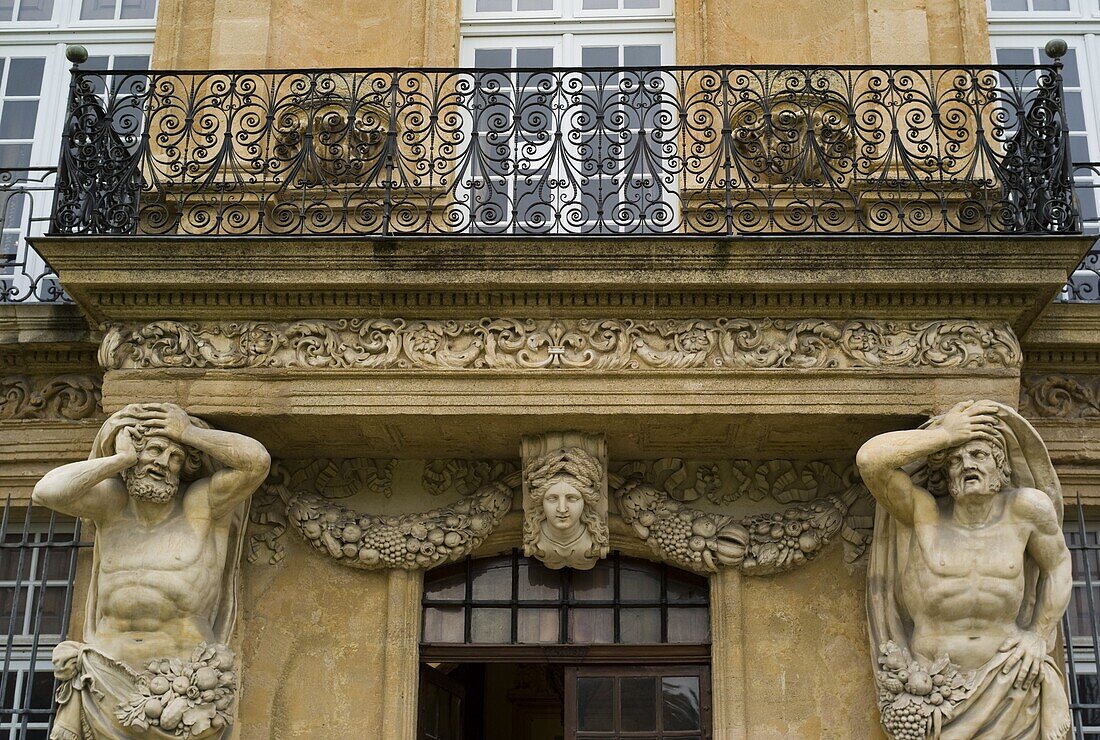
[985,705]
[101,697]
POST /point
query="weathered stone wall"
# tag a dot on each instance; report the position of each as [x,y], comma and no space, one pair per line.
[241,34]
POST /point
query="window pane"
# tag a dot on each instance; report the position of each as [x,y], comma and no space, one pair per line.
[36,10]
[637,584]
[538,625]
[25,76]
[52,610]
[534,5]
[600,4]
[596,584]
[443,625]
[686,589]
[639,626]
[41,690]
[681,702]
[1016,57]
[689,625]
[491,626]
[7,7]
[600,56]
[138,8]
[97,10]
[594,704]
[447,584]
[638,703]
[1009,5]
[595,626]
[17,121]
[492,580]
[494,6]
[493,58]
[15,155]
[641,56]
[537,582]
[1047,6]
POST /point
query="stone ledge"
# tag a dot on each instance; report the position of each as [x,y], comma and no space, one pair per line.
[145,278]
[46,338]
[815,413]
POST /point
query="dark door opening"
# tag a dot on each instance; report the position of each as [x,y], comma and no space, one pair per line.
[513,651]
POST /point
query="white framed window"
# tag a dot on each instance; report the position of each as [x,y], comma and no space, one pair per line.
[534,145]
[1082,623]
[37,568]
[34,87]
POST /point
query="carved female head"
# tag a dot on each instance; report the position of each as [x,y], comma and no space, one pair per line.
[563,522]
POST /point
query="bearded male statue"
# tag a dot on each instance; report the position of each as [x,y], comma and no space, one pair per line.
[968,579]
[169,499]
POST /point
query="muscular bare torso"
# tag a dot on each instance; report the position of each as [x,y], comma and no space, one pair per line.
[963,586]
[158,583]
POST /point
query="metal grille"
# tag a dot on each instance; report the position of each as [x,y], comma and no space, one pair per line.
[576,151]
[38,551]
[1083,285]
[25,196]
[1081,626]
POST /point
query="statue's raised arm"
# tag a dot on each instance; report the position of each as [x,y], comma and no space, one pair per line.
[969,575]
[169,496]
[883,459]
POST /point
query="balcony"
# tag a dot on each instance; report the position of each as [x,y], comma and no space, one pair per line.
[650,154]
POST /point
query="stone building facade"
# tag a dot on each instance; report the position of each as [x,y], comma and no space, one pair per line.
[688,258]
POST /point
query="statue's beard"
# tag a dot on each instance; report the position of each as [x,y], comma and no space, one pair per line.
[145,488]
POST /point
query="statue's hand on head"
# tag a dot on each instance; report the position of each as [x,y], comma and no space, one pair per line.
[126,444]
[165,419]
[969,420]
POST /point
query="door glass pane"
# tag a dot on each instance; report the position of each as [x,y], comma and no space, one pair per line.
[680,703]
[638,703]
[592,626]
[491,626]
[594,704]
[25,76]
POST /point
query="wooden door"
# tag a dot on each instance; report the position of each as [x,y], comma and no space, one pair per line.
[655,702]
[442,704]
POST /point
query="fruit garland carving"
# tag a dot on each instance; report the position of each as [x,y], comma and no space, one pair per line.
[408,541]
[702,541]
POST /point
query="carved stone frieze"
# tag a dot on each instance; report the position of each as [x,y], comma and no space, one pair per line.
[1061,396]
[609,344]
[62,397]
[408,541]
[726,481]
[703,541]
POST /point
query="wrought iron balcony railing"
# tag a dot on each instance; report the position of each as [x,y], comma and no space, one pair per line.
[671,150]
[25,196]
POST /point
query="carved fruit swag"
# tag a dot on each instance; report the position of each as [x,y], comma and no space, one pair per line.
[916,698]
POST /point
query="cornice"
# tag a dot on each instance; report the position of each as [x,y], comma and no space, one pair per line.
[137,278]
[1065,338]
[45,338]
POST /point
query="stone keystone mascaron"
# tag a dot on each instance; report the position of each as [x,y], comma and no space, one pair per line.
[169,498]
[565,499]
[968,578]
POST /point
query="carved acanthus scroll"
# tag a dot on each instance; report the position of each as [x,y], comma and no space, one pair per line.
[757,545]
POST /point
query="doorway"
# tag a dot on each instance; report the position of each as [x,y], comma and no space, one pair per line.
[511,650]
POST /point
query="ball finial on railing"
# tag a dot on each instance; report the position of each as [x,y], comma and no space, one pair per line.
[1056,48]
[76,53]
